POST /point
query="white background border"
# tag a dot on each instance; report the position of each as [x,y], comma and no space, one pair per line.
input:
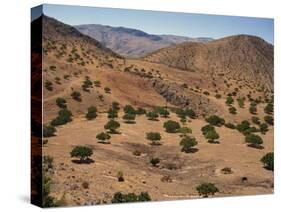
[15,102]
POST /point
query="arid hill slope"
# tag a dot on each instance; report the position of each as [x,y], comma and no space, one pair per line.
[241,57]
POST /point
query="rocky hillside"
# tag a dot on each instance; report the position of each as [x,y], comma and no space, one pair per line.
[131,42]
[240,57]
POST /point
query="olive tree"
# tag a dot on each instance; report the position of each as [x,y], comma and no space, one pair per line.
[254,140]
[171,126]
[187,143]
[92,113]
[82,152]
[112,126]
[103,138]
[207,189]
[268,161]
[154,137]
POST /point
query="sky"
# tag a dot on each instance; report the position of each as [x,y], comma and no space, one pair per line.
[154,22]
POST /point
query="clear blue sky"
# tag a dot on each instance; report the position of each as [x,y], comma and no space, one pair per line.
[185,24]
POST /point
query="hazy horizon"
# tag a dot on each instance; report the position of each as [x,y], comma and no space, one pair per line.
[155,22]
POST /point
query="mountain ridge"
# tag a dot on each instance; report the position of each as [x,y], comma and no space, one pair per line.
[132,42]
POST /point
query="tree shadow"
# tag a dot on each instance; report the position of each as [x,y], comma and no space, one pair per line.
[191,150]
[86,161]
[255,146]
[214,142]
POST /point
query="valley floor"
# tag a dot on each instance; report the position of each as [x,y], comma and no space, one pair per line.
[185,170]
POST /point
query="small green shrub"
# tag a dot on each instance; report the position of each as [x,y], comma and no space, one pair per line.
[152,115]
[112,126]
[154,161]
[61,102]
[230,125]
[232,110]
[207,189]
[254,140]
[212,136]
[103,138]
[129,109]
[229,100]
[171,126]
[120,176]
[48,130]
[263,128]
[256,120]
[92,113]
[154,137]
[129,118]
[107,90]
[76,96]
[187,143]
[207,128]
[82,152]
[269,119]
[215,120]
[130,197]
[253,109]
[269,108]
[64,116]
[49,85]
[268,161]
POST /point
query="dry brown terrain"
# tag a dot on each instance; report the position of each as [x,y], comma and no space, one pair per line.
[187,170]
[70,57]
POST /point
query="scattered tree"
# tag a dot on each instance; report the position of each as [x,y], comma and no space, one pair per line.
[92,113]
[269,108]
[140,111]
[232,110]
[256,120]
[82,152]
[263,128]
[130,197]
[229,100]
[212,135]
[115,106]
[107,90]
[64,116]
[48,130]
[207,128]
[76,96]
[112,126]
[230,126]
[129,109]
[112,113]
[103,138]
[269,119]
[241,102]
[152,115]
[184,131]
[187,143]
[129,118]
[171,126]
[268,161]
[206,189]
[49,85]
[120,176]
[154,137]
[61,102]
[254,140]
[154,161]
[253,109]
[215,120]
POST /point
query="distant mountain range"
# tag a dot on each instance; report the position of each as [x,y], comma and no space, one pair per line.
[132,42]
